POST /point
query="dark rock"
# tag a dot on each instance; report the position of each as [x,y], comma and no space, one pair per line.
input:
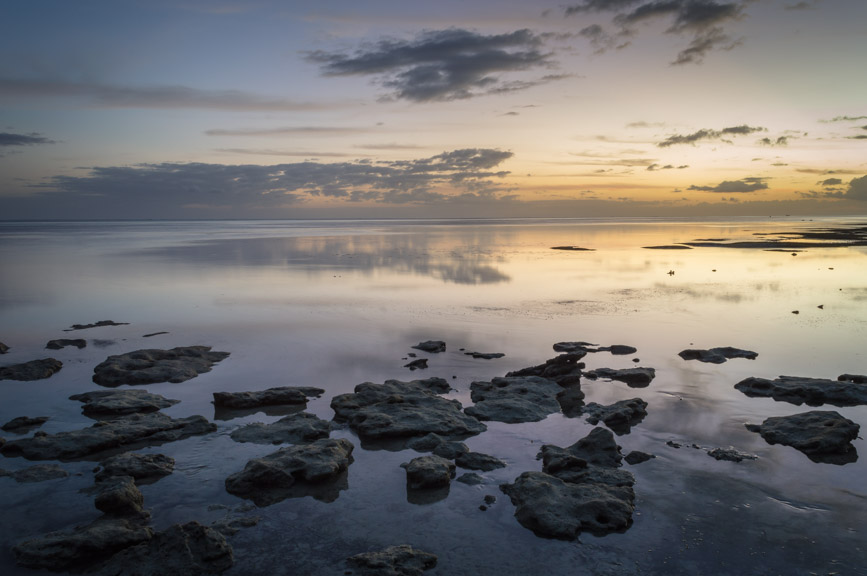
[571,400]
[597,448]
[587,347]
[231,526]
[730,454]
[824,436]
[419,364]
[137,429]
[426,443]
[82,547]
[285,395]
[152,334]
[38,473]
[432,346]
[23,424]
[119,496]
[143,468]
[673,444]
[295,471]
[33,370]
[636,457]
[490,499]
[633,377]
[295,429]
[514,399]
[393,561]
[668,247]
[451,450]
[153,365]
[564,369]
[470,479]
[3,348]
[63,343]
[620,416]
[485,355]
[190,549]
[438,445]
[479,461]
[809,391]
[103,403]
[428,472]
[99,324]
[854,378]
[572,248]
[403,409]
[717,355]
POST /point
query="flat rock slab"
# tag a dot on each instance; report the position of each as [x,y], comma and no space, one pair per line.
[63,343]
[620,416]
[588,347]
[81,548]
[152,365]
[99,324]
[33,370]
[143,468]
[294,429]
[479,461]
[38,473]
[23,424]
[809,391]
[190,549]
[854,378]
[638,457]
[432,346]
[137,429]
[428,472]
[717,355]
[107,403]
[514,399]
[824,436]
[633,377]
[393,561]
[398,409]
[294,471]
[730,455]
[485,355]
[564,369]
[282,396]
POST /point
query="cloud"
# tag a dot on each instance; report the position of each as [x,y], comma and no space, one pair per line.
[708,134]
[845,119]
[830,182]
[803,5]
[444,65]
[285,130]
[734,186]
[857,189]
[655,167]
[781,141]
[8,139]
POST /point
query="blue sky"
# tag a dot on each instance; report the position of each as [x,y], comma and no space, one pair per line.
[157,109]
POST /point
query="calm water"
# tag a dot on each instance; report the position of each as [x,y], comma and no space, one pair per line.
[334,304]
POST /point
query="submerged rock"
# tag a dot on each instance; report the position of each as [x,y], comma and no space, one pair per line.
[119,496]
[564,369]
[23,424]
[633,377]
[730,454]
[824,436]
[38,473]
[809,391]
[284,395]
[295,471]
[63,343]
[99,324]
[485,355]
[102,403]
[398,409]
[294,428]
[33,370]
[637,457]
[514,399]
[428,472]
[620,416]
[393,561]
[717,355]
[432,346]
[587,347]
[143,468]
[418,364]
[137,429]
[152,365]
[470,479]
[479,461]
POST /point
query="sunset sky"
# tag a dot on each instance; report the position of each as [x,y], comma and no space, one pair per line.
[582,108]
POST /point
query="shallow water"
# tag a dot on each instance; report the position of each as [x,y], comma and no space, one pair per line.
[333,304]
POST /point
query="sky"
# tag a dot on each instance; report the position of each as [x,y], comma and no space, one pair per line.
[128,109]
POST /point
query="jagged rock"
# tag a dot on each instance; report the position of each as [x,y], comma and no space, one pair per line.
[99,324]
[633,377]
[285,395]
[190,549]
[717,355]
[824,436]
[119,496]
[393,561]
[153,428]
[102,403]
[854,378]
[294,471]
[587,347]
[571,401]
[24,423]
[620,416]
[402,409]
[294,428]
[33,370]
[564,369]
[514,399]
[428,472]
[63,343]
[144,468]
[426,443]
[451,450]
[38,473]
[153,365]
[432,346]
[81,548]
[479,461]
[809,391]
[485,355]
[3,348]
[418,364]
[730,454]
[598,448]
[637,457]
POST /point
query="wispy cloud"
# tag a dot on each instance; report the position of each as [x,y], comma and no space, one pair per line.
[709,134]
[845,119]
[654,167]
[283,130]
[12,141]
[734,186]
[445,65]
[780,141]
